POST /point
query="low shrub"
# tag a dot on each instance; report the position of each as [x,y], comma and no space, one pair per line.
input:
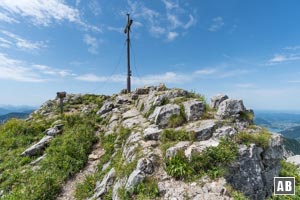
[261,139]
[213,161]
[173,135]
[179,166]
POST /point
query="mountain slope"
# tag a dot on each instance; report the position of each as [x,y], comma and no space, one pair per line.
[158,143]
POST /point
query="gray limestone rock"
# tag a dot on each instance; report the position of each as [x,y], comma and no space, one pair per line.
[140,91]
[180,146]
[162,114]
[230,108]
[144,167]
[198,147]
[224,131]
[107,107]
[57,129]
[204,130]
[152,133]
[106,183]
[193,109]
[216,100]
[39,146]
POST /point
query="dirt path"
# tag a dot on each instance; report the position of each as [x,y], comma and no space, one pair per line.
[69,187]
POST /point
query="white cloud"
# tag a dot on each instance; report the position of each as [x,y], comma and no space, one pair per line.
[171,36]
[5,18]
[5,43]
[217,24]
[41,12]
[191,22]
[205,71]
[92,42]
[168,24]
[52,71]
[21,71]
[16,70]
[20,42]
[95,7]
[280,58]
[116,29]
[168,77]
[170,5]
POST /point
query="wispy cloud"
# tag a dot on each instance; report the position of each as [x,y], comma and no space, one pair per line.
[4,17]
[21,71]
[44,13]
[207,71]
[95,7]
[217,24]
[172,35]
[280,58]
[168,77]
[92,43]
[116,29]
[169,24]
[52,71]
[20,42]
[16,70]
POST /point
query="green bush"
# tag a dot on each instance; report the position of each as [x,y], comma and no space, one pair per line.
[213,161]
[261,139]
[172,135]
[179,166]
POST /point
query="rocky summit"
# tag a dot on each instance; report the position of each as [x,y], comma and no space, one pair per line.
[153,143]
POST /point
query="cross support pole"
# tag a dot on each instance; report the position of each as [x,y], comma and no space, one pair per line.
[127,31]
[61,96]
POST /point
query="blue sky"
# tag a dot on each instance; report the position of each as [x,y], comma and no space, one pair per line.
[245,49]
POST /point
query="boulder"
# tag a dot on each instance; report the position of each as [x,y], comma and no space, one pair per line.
[253,171]
[152,133]
[204,130]
[107,107]
[144,167]
[57,129]
[140,91]
[162,114]
[180,146]
[39,146]
[216,100]
[224,131]
[198,147]
[103,186]
[230,108]
[193,109]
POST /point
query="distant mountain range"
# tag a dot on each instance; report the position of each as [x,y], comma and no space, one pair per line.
[21,112]
[287,124]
